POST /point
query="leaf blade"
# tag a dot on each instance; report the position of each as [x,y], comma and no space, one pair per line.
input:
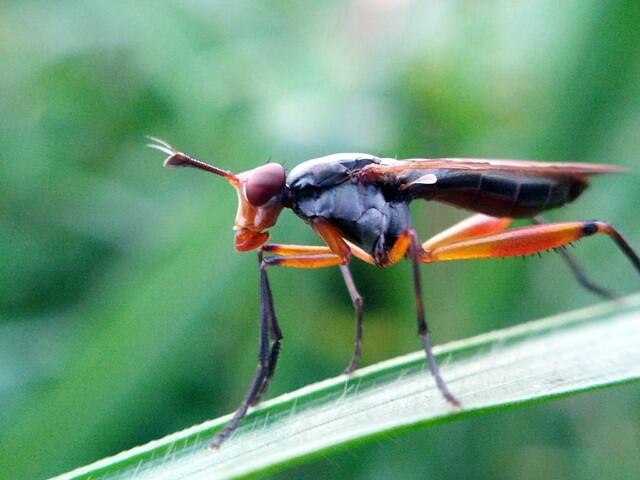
[570,353]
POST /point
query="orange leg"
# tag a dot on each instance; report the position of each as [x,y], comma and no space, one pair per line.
[401,247]
[337,251]
[285,249]
[359,253]
[307,260]
[332,237]
[282,249]
[474,226]
[481,225]
[525,241]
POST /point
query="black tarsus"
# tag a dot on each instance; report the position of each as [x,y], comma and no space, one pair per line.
[623,245]
[266,306]
[579,274]
[267,357]
[423,329]
[356,300]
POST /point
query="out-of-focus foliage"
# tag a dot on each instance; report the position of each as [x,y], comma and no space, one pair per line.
[125,313]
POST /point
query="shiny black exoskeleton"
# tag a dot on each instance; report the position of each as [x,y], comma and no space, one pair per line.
[373,214]
[369,215]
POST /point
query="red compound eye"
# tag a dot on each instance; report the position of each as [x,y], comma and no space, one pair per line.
[263,183]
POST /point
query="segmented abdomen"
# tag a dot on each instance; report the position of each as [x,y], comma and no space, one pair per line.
[499,193]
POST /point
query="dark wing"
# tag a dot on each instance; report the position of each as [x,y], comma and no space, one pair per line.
[512,188]
[525,167]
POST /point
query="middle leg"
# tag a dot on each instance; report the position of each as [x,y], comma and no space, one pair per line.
[423,329]
[407,244]
[356,299]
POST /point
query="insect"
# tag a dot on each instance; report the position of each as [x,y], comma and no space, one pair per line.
[358,205]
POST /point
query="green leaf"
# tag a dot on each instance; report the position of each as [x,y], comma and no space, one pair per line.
[567,354]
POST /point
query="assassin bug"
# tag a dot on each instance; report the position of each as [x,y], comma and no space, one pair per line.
[358,205]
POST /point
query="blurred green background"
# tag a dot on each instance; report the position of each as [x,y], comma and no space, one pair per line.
[125,313]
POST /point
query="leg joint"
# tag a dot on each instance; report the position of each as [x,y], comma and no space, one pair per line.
[268,261]
[591,228]
[267,247]
[358,303]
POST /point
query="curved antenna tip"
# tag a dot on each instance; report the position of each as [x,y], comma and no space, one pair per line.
[161,145]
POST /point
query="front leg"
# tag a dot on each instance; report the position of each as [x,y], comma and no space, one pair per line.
[337,250]
[267,357]
[356,300]
[294,256]
[267,309]
[415,250]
